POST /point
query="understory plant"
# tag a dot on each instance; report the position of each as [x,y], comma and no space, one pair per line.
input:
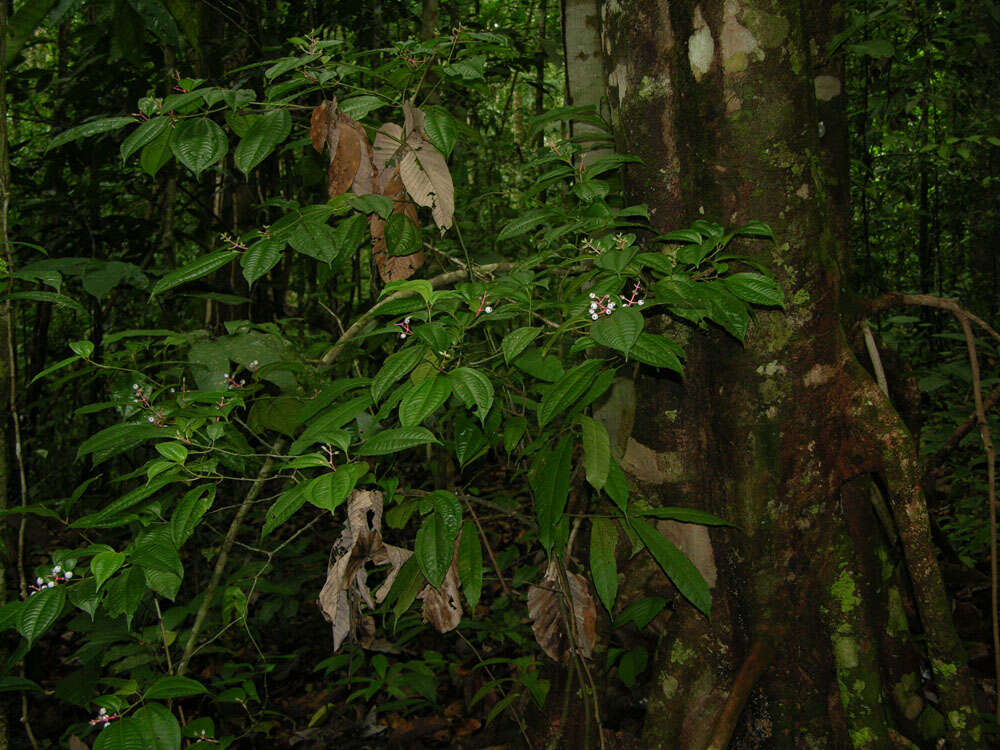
[431,457]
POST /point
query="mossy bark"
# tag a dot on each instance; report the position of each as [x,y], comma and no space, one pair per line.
[738,114]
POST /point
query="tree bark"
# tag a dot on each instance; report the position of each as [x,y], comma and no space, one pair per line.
[738,114]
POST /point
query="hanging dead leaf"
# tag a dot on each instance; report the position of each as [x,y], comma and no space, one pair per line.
[427,179]
[360,543]
[323,117]
[366,178]
[394,267]
[413,119]
[388,141]
[442,607]
[344,163]
[546,615]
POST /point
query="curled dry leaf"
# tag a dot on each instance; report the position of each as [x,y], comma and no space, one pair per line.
[442,607]
[547,620]
[352,164]
[346,584]
[388,141]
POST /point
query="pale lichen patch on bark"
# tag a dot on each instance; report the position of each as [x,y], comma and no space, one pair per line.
[827,87]
[739,46]
[701,46]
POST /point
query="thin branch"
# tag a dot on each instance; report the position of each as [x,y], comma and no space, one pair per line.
[964,429]
[875,358]
[220,561]
[442,280]
[489,550]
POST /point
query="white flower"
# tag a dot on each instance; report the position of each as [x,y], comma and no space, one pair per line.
[135,386]
[68,574]
[594,316]
[39,581]
[487,309]
[611,305]
[57,569]
[593,296]
[149,419]
[51,584]
[402,335]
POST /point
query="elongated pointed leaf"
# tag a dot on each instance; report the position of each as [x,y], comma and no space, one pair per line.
[393,441]
[470,564]
[596,451]
[473,387]
[425,399]
[88,129]
[756,289]
[282,509]
[685,515]
[40,611]
[157,153]
[679,569]
[121,734]
[515,342]
[56,299]
[143,134]
[194,270]
[396,366]
[433,549]
[173,687]
[106,564]
[618,331]
[260,258]
[550,480]
[603,567]
[658,351]
[567,390]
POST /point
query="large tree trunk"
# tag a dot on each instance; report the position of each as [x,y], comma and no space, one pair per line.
[738,114]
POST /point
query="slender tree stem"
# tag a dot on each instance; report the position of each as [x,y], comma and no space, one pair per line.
[220,561]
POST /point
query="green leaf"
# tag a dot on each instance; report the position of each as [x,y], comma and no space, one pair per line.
[82,348]
[603,567]
[727,310]
[173,451]
[121,734]
[189,511]
[402,235]
[282,509]
[756,289]
[56,367]
[473,387]
[40,611]
[470,442]
[433,549]
[260,258]
[198,144]
[145,133]
[263,137]
[396,366]
[155,550]
[110,515]
[160,729]
[88,129]
[550,480]
[425,399]
[617,486]
[440,129]
[618,331]
[16,684]
[157,153]
[525,223]
[873,48]
[596,451]
[173,687]
[515,342]
[679,569]
[395,440]
[632,664]
[118,438]
[658,351]
[51,297]
[106,564]
[470,564]
[755,229]
[685,515]
[641,612]
[326,427]
[567,390]
[124,593]
[446,505]
[513,430]
[358,106]
[683,236]
[196,269]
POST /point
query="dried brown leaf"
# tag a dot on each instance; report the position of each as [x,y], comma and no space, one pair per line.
[388,141]
[546,615]
[366,179]
[319,124]
[345,161]
[442,608]
[427,179]
[413,119]
[346,583]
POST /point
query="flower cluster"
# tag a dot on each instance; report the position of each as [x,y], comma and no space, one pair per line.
[606,304]
[104,718]
[483,307]
[53,579]
[405,328]
[253,366]
[231,382]
[140,397]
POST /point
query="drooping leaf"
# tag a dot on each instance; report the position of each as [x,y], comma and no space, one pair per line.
[157,153]
[550,480]
[473,387]
[172,686]
[658,351]
[266,133]
[198,144]
[395,440]
[196,269]
[434,549]
[440,129]
[470,564]
[160,729]
[425,174]
[603,567]
[260,258]
[402,236]
[51,297]
[425,399]
[282,509]
[118,438]
[121,734]
[567,390]
[596,451]
[515,342]
[685,515]
[189,511]
[106,564]
[679,569]
[545,608]
[618,331]
[396,366]
[40,611]
[88,129]
[144,134]
[755,288]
